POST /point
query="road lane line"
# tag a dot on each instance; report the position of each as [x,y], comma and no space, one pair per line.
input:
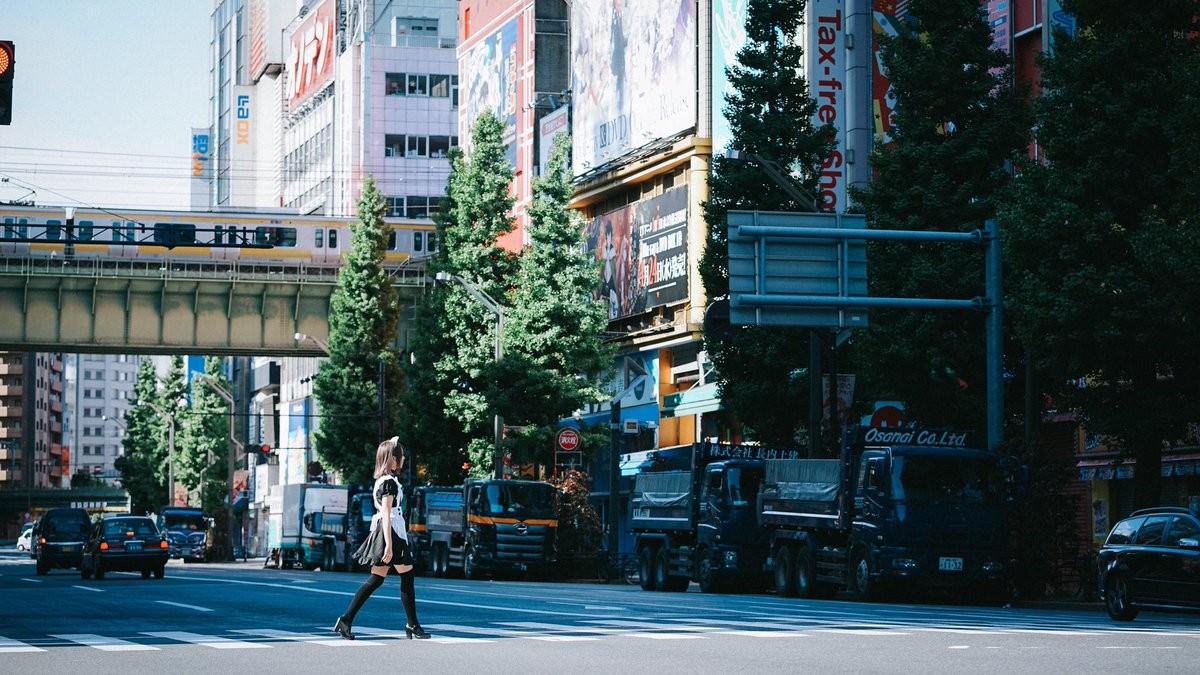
[89,588]
[180,604]
[393,633]
[108,644]
[206,640]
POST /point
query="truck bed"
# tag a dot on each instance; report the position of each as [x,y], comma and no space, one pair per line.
[801,491]
[662,501]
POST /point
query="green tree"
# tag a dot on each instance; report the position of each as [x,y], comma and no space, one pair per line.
[771,115]
[363,314]
[1101,241]
[202,443]
[454,395]
[960,124]
[143,454]
[553,332]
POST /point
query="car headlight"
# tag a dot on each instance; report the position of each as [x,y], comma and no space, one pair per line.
[904,564]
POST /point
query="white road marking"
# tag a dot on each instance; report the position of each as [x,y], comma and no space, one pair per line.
[9,646]
[107,644]
[393,633]
[504,633]
[89,588]
[308,638]
[206,640]
[180,604]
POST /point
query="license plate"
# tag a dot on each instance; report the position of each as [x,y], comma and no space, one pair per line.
[134,546]
[950,564]
[70,549]
[519,567]
[185,551]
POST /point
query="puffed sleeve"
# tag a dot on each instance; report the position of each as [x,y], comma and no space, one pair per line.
[389,487]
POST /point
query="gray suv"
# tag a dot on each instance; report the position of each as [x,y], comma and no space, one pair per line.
[1151,560]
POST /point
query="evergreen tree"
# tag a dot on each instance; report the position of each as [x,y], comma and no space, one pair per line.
[1101,241]
[202,442]
[455,342]
[771,115]
[960,122]
[363,315]
[143,455]
[553,331]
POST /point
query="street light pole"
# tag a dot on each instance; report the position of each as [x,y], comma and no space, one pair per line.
[495,308]
[235,445]
[170,452]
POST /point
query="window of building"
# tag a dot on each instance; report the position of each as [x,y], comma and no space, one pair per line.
[418,84]
[439,146]
[417,207]
[393,145]
[417,146]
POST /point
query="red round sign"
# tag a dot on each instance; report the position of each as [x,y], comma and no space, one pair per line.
[567,439]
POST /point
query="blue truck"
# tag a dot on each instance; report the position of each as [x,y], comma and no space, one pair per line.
[899,507]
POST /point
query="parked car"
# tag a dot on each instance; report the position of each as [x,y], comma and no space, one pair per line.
[25,541]
[58,538]
[188,532]
[1151,560]
[125,544]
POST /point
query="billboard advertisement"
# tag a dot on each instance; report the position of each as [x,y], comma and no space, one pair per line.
[729,36]
[642,249]
[886,16]
[312,51]
[550,126]
[489,75]
[201,161]
[293,456]
[633,76]
[826,71]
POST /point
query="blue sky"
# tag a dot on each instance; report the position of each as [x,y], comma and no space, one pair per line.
[104,98]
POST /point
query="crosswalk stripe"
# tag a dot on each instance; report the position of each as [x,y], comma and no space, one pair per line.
[501,632]
[108,644]
[393,633]
[207,640]
[10,646]
[307,638]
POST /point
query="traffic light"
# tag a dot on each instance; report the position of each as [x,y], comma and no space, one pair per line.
[266,450]
[8,61]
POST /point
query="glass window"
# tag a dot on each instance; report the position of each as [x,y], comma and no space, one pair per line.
[83,231]
[418,84]
[393,145]
[395,84]
[439,146]
[1181,527]
[454,91]
[418,146]
[319,238]
[439,86]
[53,230]
[418,207]
[1151,532]
[332,238]
[418,242]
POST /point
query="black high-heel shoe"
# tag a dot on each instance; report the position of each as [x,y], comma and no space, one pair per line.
[416,632]
[342,628]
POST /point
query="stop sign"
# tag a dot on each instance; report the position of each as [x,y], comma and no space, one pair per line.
[567,439]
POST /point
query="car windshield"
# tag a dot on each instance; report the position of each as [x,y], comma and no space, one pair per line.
[743,486]
[123,527]
[941,479]
[184,521]
[524,499]
[65,526]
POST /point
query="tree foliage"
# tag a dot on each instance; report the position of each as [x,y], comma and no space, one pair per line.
[202,442]
[553,330]
[959,126]
[144,455]
[453,398]
[1101,241]
[364,311]
[771,115]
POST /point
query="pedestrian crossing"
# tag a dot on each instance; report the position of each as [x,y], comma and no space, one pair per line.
[682,628]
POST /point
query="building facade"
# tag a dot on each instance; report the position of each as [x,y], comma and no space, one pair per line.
[32,453]
[99,390]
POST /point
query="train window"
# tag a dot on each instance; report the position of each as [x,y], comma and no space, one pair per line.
[130,228]
[319,238]
[391,245]
[84,231]
[276,236]
[418,242]
[116,231]
[174,234]
[53,229]
[219,234]
[332,238]
[287,237]
[17,230]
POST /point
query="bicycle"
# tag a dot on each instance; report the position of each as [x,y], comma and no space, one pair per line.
[624,568]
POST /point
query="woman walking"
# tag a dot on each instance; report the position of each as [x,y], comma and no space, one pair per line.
[388,527]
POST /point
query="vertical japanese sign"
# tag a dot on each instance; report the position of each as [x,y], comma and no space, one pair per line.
[199,174]
[826,70]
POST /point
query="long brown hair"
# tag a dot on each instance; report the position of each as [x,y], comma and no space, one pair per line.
[383,456]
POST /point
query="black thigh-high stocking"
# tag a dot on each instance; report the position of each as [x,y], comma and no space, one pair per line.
[373,582]
[408,597]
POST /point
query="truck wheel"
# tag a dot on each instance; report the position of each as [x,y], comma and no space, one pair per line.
[785,577]
[470,568]
[662,569]
[707,574]
[861,578]
[803,573]
[646,569]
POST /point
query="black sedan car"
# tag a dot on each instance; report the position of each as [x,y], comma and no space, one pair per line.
[125,544]
[1151,560]
[58,538]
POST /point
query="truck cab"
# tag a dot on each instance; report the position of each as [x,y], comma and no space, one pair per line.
[189,532]
[729,543]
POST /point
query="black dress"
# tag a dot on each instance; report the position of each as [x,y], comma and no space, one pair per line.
[401,553]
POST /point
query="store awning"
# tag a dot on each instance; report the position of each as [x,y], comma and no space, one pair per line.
[695,401]
[1115,467]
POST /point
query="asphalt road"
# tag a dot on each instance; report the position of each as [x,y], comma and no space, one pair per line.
[238,617]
